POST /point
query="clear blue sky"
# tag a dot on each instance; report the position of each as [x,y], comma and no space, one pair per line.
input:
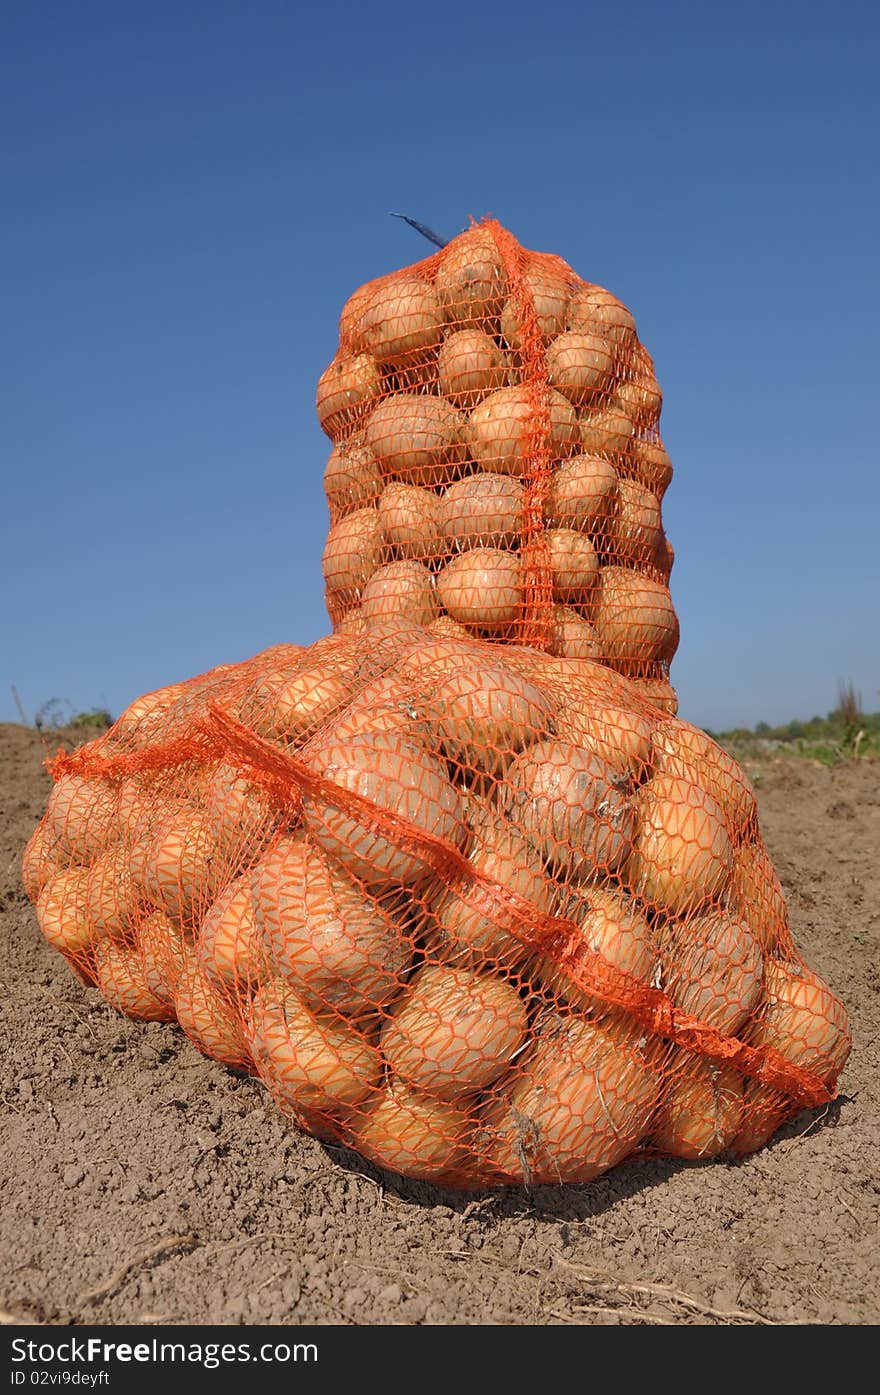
[191,190]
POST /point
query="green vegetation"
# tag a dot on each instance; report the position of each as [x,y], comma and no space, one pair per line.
[846,733]
[99,718]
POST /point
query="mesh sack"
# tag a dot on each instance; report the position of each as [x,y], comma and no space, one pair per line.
[481,913]
[497,469]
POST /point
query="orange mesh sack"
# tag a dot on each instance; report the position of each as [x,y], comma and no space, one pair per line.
[482,913]
[497,469]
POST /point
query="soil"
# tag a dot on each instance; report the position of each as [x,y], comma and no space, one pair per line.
[145,1183]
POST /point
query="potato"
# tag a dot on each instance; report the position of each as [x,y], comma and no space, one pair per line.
[607,432]
[62,914]
[756,896]
[612,926]
[619,735]
[573,636]
[230,946]
[702,1109]
[81,815]
[574,564]
[411,1133]
[686,750]
[211,1016]
[120,977]
[803,1020]
[650,464]
[637,530]
[483,713]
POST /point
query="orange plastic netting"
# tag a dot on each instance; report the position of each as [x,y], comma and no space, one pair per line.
[497,469]
[483,913]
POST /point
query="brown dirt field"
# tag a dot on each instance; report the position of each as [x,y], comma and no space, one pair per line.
[144,1183]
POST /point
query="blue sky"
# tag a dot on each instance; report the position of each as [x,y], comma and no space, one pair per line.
[191,191]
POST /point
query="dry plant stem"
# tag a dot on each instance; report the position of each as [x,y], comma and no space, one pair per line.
[172,1244]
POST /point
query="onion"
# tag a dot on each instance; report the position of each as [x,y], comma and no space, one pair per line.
[403,589]
[111,896]
[640,397]
[417,439]
[621,736]
[239,815]
[230,943]
[763,1112]
[81,814]
[503,855]
[574,563]
[651,465]
[685,750]
[482,510]
[582,492]
[353,623]
[803,1020]
[446,628]
[120,977]
[210,1017]
[713,968]
[346,390]
[352,479]
[310,1061]
[573,636]
[411,1134]
[612,926]
[580,1102]
[160,945]
[701,1111]
[383,704]
[549,292]
[756,894]
[658,691]
[399,321]
[42,859]
[146,712]
[471,281]
[410,518]
[503,426]
[568,804]
[580,366]
[61,912]
[635,618]
[182,866]
[470,365]
[334,944]
[607,432]
[353,551]
[682,858]
[398,777]
[637,530]
[482,587]
[483,713]
[309,698]
[592,310]
[454,1031]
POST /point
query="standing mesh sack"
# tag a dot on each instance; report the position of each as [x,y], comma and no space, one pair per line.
[497,469]
[482,913]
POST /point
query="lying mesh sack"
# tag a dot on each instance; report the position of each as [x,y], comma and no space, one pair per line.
[483,914]
[497,461]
